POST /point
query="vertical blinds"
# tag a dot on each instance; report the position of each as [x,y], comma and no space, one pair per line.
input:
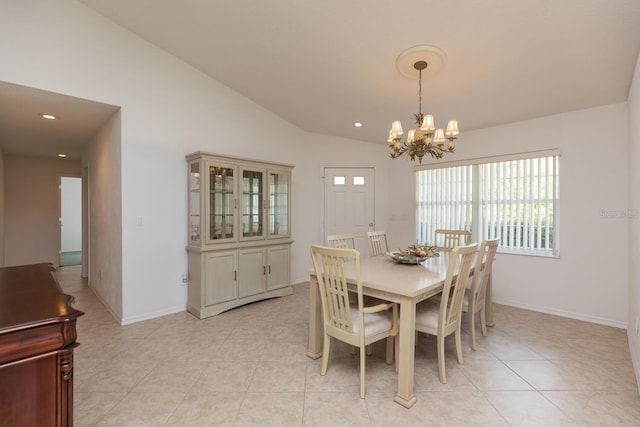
[513,200]
[444,200]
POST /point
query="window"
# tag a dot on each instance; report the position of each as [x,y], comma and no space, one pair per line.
[515,200]
[339,180]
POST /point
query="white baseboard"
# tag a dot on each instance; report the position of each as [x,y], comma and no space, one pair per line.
[300,281]
[563,313]
[154,314]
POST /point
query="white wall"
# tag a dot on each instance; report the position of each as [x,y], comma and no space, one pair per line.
[102,160]
[32,208]
[71,214]
[634,219]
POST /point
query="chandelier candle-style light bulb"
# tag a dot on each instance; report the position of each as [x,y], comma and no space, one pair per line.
[428,123]
[426,138]
[452,128]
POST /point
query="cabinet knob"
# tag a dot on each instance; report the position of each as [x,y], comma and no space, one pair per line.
[370,224]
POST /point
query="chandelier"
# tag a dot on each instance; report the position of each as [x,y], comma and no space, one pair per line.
[425,138]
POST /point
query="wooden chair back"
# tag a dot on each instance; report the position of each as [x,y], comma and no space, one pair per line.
[451,302]
[342,241]
[449,239]
[378,244]
[482,272]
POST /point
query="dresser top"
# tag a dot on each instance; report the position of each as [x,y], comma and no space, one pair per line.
[29,296]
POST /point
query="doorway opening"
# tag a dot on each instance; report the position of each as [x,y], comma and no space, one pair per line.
[70,221]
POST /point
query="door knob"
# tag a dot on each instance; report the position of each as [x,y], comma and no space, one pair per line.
[370,224]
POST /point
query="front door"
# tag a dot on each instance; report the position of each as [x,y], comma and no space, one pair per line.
[349,203]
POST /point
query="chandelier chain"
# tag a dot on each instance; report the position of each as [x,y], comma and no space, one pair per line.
[420,93]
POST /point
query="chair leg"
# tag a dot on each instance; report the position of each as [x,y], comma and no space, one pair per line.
[472,328]
[362,371]
[389,358]
[483,322]
[443,374]
[458,335]
[325,354]
[395,346]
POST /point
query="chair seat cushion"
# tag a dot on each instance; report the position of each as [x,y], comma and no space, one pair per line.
[374,323]
[427,314]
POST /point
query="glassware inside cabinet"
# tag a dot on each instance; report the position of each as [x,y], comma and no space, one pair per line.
[252,203]
[221,202]
[279,204]
[194,201]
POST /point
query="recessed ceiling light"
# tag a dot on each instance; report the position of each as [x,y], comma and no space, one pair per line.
[62,156]
[48,116]
[357,124]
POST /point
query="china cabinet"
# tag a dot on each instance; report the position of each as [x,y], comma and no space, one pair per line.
[239,232]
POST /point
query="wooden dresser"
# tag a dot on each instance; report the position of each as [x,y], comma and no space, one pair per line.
[37,338]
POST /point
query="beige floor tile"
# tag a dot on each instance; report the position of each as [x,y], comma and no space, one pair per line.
[142,409]
[335,409]
[599,408]
[170,376]
[459,408]
[225,376]
[545,375]
[90,407]
[278,377]
[271,409]
[528,409]
[207,409]
[115,376]
[492,375]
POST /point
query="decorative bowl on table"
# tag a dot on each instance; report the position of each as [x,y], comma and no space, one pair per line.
[414,254]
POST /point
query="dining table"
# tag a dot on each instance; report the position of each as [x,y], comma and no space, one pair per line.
[405,284]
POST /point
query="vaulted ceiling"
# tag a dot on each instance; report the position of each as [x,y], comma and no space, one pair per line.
[324,64]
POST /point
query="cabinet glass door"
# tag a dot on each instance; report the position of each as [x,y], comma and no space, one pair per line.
[221,203]
[279,204]
[194,201]
[252,203]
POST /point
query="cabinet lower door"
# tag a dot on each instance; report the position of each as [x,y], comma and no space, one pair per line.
[220,277]
[252,272]
[278,268]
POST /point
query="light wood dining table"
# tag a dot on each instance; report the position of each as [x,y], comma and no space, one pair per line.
[404,284]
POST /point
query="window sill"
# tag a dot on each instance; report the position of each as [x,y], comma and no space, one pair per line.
[528,252]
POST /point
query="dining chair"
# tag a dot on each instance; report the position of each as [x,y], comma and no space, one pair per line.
[449,239]
[474,297]
[444,318]
[342,241]
[353,324]
[378,244]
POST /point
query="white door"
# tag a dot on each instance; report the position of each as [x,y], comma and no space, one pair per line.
[349,203]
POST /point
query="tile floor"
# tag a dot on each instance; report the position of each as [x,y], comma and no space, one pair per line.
[247,367]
